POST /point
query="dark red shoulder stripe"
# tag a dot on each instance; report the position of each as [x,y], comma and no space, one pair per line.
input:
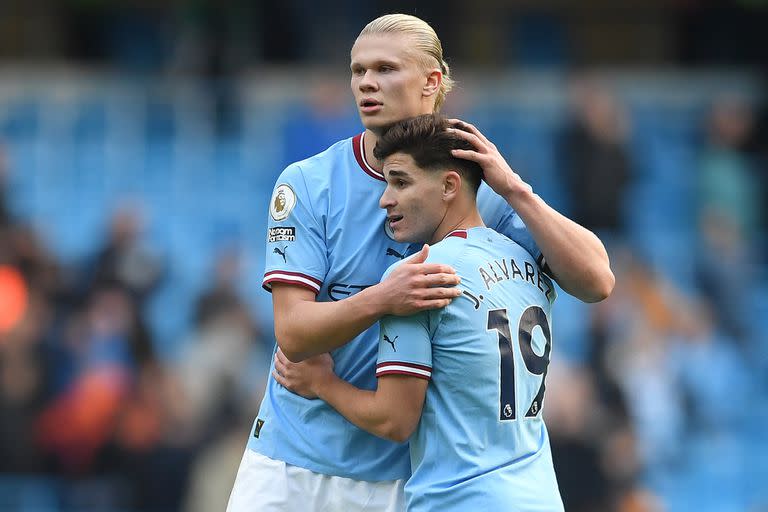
[297,274]
[395,372]
[409,365]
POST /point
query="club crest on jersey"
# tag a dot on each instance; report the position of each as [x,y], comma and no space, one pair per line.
[283,201]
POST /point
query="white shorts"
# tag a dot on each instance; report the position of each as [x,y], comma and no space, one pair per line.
[267,485]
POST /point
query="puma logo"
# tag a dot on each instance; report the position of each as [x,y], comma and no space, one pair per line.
[392,252]
[277,250]
[391,342]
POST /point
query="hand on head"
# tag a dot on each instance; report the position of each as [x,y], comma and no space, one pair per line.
[496,171]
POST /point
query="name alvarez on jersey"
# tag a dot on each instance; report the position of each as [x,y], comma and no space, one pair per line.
[495,271]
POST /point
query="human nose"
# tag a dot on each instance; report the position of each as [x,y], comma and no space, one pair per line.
[386,200]
[368,82]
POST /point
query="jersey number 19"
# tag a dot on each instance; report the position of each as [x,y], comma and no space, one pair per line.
[498,321]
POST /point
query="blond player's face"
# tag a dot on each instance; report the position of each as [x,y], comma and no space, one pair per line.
[388,83]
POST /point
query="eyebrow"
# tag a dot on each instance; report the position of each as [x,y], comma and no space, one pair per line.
[395,172]
[376,62]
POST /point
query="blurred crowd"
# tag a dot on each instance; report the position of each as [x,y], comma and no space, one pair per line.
[664,364]
[84,395]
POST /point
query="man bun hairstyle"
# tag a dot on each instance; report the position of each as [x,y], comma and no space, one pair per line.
[427,140]
[425,42]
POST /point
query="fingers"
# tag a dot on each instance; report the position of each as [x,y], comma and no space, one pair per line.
[467,154]
[463,126]
[279,378]
[440,294]
[281,363]
[441,279]
[279,355]
[421,256]
[432,304]
[434,268]
[473,139]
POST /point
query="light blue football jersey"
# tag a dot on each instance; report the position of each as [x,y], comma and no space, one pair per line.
[327,233]
[481,443]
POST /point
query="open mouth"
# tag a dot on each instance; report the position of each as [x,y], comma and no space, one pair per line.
[394,219]
[369,104]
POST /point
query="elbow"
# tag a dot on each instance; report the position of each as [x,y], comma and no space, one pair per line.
[397,431]
[289,346]
[602,287]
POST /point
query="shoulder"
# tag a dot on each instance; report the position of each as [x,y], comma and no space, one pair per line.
[314,173]
[325,160]
[502,244]
[392,268]
[447,251]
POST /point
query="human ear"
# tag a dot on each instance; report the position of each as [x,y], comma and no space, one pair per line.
[451,185]
[432,85]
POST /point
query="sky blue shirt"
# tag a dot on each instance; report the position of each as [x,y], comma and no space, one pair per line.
[327,233]
[481,443]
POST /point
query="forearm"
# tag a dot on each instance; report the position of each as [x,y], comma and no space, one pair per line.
[306,328]
[575,255]
[367,410]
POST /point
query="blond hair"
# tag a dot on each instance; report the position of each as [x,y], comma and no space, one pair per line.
[425,42]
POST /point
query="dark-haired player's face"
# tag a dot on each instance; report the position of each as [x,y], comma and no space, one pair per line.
[413,199]
[387,81]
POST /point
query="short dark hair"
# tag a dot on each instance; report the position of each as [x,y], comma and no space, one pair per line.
[426,139]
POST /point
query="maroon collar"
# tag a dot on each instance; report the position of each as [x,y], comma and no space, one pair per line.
[461,233]
[358,147]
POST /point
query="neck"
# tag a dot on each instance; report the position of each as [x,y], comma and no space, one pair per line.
[464,217]
[369,142]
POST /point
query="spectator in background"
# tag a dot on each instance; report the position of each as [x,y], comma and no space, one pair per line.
[593,444]
[103,349]
[595,163]
[758,148]
[214,363]
[728,214]
[640,324]
[123,259]
[727,178]
[574,419]
[156,441]
[24,320]
[5,213]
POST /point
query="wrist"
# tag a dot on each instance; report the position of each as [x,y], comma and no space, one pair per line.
[322,385]
[373,300]
[522,198]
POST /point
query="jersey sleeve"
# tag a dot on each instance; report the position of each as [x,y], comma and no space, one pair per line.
[498,215]
[405,346]
[296,247]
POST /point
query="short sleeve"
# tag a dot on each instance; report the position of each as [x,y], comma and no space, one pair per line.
[296,247]
[498,215]
[405,346]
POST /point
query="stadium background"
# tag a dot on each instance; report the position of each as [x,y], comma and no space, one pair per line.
[139,142]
